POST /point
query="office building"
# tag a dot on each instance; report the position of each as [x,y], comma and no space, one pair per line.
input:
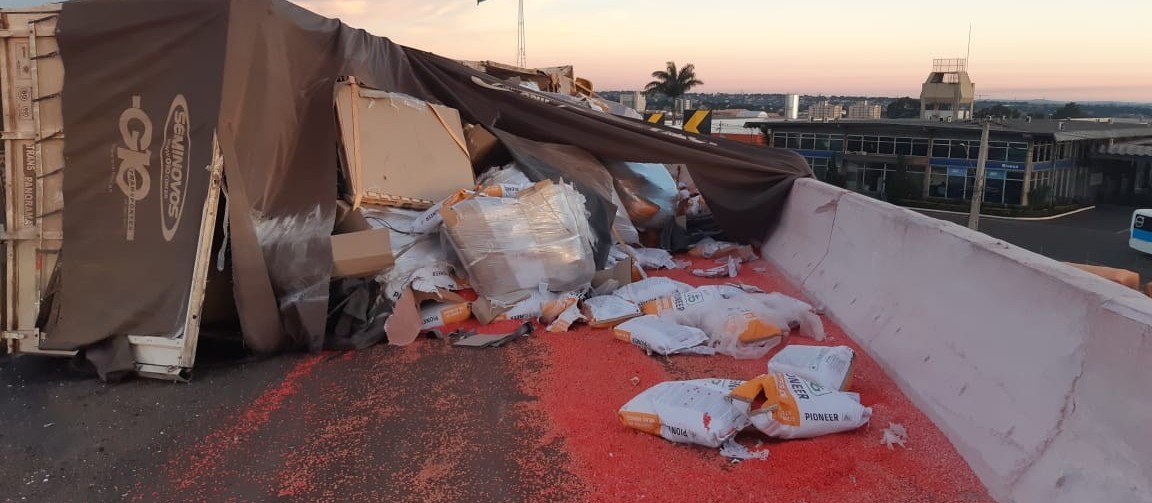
[825,111]
[634,100]
[864,110]
[1065,160]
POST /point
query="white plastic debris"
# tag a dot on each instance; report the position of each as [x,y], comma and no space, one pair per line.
[736,451]
[618,253]
[424,266]
[509,174]
[654,258]
[799,314]
[729,269]
[894,434]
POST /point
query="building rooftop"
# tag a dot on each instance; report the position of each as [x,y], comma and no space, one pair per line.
[1126,149]
[1059,130]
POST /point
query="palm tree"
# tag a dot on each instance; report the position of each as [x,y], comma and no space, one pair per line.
[673,83]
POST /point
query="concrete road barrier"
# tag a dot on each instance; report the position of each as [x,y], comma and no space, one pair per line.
[1037,372]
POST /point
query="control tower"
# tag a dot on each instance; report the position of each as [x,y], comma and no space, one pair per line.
[949,93]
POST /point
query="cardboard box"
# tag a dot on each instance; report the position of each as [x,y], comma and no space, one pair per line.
[399,148]
[359,254]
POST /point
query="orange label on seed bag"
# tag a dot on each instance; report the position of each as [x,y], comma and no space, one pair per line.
[788,412]
[657,306]
[748,327]
[622,335]
[456,314]
[647,423]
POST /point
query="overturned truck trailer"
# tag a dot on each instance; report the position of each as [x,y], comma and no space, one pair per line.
[173,169]
[151,159]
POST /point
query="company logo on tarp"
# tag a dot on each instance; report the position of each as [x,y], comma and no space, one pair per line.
[174,166]
[133,159]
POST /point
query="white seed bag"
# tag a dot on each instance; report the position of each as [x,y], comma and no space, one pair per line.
[829,367]
[608,311]
[438,314]
[431,219]
[660,336]
[650,289]
[795,408]
[687,412]
[741,331]
[686,307]
[736,325]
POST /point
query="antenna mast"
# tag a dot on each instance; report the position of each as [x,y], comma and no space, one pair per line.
[966,56]
[522,59]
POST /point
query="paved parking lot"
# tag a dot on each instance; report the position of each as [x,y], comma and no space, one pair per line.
[1097,237]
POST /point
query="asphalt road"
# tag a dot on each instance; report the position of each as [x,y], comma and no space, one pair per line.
[1095,237]
[381,424]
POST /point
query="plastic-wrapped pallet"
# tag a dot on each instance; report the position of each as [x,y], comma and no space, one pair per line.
[498,182]
[539,238]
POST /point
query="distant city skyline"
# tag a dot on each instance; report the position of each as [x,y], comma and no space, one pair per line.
[1059,50]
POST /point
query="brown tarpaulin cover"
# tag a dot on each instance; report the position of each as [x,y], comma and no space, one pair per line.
[261,75]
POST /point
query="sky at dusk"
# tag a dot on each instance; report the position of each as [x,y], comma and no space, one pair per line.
[1057,49]
[1025,49]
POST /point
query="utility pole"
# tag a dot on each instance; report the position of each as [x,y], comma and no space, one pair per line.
[978,194]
